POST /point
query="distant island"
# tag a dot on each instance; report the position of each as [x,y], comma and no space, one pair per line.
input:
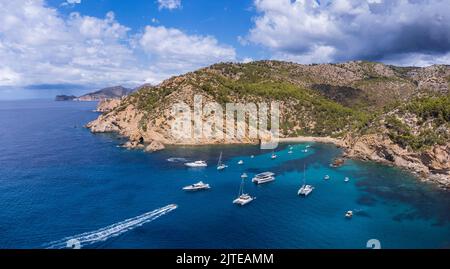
[115,92]
[384,113]
[65,97]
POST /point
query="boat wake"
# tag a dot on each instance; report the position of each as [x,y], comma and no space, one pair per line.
[177,160]
[110,231]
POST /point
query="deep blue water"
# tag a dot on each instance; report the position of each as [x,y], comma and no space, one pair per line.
[58,180]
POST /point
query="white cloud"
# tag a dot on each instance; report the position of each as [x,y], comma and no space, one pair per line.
[39,46]
[71,2]
[174,49]
[339,30]
[169,4]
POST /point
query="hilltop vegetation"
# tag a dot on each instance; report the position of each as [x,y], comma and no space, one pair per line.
[371,107]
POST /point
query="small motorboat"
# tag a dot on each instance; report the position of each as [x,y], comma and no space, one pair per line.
[327,177]
[346,179]
[274,156]
[253,156]
[196,164]
[241,162]
[349,214]
[197,186]
[290,152]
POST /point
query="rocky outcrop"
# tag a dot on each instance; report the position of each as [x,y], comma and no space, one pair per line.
[328,100]
[431,165]
[154,146]
[107,105]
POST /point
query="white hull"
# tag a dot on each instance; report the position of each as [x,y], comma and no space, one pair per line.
[243,200]
[197,187]
[196,164]
[221,167]
[263,180]
[305,190]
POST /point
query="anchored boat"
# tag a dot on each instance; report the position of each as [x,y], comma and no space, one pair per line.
[220,165]
[197,187]
[305,190]
[264,178]
[243,198]
[196,164]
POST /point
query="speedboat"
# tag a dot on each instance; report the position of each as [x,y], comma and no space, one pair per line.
[197,186]
[196,164]
[349,214]
[327,177]
[305,190]
[243,199]
[263,178]
[241,162]
[346,179]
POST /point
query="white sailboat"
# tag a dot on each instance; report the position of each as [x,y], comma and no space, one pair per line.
[220,165]
[243,198]
[305,190]
[274,156]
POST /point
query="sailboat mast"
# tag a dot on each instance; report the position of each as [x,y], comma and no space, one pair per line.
[304,174]
[220,159]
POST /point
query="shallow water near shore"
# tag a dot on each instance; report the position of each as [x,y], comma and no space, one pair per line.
[58,180]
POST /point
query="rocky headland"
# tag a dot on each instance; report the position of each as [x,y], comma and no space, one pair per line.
[394,115]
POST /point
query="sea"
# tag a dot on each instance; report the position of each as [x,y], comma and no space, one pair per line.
[60,183]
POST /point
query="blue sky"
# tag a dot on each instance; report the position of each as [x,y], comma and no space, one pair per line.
[73,46]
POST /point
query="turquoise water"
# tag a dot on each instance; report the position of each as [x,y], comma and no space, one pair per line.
[58,180]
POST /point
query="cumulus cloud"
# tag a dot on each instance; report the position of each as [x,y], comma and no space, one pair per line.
[169,4]
[339,30]
[39,46]
[174,49]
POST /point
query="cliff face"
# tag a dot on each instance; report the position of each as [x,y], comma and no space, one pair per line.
[378,111]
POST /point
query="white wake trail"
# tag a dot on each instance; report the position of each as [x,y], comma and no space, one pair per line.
[111,230]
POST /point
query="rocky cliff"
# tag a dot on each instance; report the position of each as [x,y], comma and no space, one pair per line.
[397,115]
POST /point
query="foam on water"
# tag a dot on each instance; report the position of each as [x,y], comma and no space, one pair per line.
[177,160]
[110,231]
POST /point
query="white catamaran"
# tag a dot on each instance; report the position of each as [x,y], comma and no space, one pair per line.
[220,165]
[264,178]
[305,190]
[243,198]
